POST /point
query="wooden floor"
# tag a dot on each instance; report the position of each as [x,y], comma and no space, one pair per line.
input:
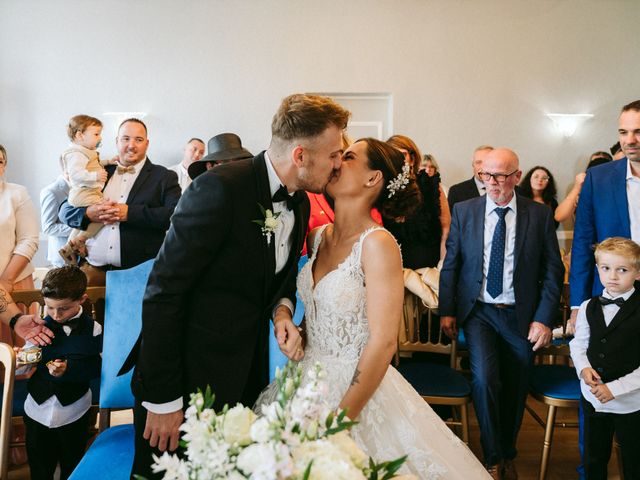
[564,453]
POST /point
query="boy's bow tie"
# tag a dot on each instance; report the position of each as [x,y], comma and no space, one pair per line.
[608,301]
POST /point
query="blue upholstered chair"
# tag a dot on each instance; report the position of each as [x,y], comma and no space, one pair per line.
[111,454]
[438,384]
[276,357]
[557,386]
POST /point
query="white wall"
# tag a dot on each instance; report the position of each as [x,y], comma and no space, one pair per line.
[461,72]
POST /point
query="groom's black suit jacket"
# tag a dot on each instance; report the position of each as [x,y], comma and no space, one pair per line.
[206,309]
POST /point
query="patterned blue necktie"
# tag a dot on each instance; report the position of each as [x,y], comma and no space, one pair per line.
[496,261]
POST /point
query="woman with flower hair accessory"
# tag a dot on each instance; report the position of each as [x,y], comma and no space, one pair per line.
[352,288]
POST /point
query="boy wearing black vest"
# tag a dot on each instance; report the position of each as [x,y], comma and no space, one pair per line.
[57,407]
[606,354]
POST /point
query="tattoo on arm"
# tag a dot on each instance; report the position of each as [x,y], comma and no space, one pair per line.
[4,302]
[355,380]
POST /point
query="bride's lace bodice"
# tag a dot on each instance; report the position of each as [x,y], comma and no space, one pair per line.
[335,309]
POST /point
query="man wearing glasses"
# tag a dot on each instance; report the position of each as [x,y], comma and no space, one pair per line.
[501,281]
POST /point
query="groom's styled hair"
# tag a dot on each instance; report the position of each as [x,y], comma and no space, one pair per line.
[303,116]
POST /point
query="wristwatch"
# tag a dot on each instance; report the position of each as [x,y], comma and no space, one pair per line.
[14,320]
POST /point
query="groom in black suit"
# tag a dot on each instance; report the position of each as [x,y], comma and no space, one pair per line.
[501,281]
[220,276]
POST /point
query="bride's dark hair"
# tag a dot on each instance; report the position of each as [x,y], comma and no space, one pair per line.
[389,161]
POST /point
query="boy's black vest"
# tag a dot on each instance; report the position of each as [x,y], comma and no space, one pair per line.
[614,351]
[82,352]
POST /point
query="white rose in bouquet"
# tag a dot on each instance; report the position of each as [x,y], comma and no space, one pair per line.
[345,443]
[236,425]
[328,461]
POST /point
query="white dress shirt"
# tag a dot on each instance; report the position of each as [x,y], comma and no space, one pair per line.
[490,221]
[283,241]
[51,413]
[626,389]
[184,180]
[104,248]
[633,200]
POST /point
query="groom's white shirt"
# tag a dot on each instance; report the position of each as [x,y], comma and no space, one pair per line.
[283,241]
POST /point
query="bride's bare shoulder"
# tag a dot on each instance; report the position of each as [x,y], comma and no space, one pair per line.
[380,244]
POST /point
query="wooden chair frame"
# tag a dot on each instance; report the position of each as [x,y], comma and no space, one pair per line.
[409,342]
[8,360]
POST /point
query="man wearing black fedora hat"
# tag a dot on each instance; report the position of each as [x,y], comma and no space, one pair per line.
[222,148]
[224,270]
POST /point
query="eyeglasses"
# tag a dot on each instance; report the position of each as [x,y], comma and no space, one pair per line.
[498,177]
[543,178]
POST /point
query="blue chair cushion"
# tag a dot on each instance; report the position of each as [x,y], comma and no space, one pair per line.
[555,381]
[122,323]
[431,379]
[110,456]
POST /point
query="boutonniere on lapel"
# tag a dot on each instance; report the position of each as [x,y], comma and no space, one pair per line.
[269,223]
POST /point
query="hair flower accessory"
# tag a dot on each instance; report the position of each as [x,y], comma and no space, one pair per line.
[400,182]
[270,223]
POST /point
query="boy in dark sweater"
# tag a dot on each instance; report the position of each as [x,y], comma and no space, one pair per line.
[57,407]
[606,354]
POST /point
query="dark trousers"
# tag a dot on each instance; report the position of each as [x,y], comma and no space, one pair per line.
[46,447]
[142,459]
[500,358]
[599,428]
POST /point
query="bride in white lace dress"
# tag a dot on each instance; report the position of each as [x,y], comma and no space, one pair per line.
[352,290]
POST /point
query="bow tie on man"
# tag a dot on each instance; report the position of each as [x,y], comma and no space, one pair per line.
[282,195]
[122,170]
[610,301]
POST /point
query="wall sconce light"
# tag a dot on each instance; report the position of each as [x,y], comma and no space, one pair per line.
[567,123]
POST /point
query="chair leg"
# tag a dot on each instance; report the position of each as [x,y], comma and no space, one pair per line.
[548,438]
[464,419]
[616,446]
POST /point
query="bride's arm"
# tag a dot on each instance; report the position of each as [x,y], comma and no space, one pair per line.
[382,267]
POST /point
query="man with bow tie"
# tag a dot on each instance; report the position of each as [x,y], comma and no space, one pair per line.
[140,199]
[227,266]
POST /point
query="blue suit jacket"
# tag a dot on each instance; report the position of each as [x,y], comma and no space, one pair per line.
[603,212]
[538,269]
[151,201]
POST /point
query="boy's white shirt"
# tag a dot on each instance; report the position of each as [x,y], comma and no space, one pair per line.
[626,389]
[51,413]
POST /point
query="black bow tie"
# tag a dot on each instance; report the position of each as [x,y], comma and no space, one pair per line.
[608,301]
[282,195]
[73,324]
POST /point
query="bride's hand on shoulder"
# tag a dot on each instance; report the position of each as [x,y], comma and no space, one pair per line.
[287,334]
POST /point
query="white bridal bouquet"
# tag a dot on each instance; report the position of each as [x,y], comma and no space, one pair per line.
[298,437]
